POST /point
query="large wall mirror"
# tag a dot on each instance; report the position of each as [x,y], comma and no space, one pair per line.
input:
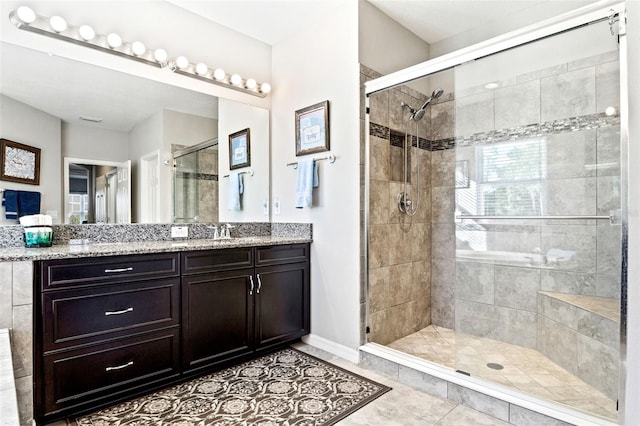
[99,127]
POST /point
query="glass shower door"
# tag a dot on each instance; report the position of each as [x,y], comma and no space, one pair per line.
[186,188]
[537,175]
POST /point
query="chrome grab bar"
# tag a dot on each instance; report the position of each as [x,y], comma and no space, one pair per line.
[124,311]
[610,218]
[119,367]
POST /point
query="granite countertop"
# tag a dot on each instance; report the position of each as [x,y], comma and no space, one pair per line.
[65,251]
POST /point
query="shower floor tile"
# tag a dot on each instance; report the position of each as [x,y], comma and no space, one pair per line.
[524,369]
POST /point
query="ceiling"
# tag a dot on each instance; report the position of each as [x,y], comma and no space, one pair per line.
[272,21]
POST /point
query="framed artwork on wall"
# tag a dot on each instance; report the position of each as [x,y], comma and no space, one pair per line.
[312,129]
[240,149]
[20,163]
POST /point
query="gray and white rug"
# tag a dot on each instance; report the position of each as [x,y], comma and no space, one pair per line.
[284,388]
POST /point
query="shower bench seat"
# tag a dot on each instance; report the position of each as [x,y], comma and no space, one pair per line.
[588,328]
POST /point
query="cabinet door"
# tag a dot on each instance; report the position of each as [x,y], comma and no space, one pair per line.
[282,303]
[217,317]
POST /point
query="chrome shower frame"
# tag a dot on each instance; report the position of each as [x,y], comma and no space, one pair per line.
[595,12]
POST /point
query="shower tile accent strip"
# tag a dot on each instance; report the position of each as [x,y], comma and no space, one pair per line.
[573,124]
[196,176]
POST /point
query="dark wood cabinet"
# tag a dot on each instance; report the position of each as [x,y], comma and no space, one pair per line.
[217,318]
[229,310]
[109,328]
[104,329]
[281,303]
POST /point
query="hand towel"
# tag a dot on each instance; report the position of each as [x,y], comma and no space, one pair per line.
[307,180]
[235,190]
[28,203]
[10,203]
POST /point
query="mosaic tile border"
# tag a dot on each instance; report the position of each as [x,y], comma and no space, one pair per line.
[565,125]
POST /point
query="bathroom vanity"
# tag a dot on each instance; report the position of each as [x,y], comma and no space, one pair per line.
[110,327]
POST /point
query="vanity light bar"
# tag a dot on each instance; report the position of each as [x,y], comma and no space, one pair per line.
[57,27]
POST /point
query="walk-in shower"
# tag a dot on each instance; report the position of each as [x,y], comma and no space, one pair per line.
[511,269]
[405,202]
[195,182]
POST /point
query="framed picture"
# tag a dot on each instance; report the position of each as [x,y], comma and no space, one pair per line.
[20,163]
[240,149]
[312,129]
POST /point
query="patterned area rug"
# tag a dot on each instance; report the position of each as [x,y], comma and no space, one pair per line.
[284,388]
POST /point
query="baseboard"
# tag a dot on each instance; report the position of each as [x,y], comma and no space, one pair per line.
[332,347]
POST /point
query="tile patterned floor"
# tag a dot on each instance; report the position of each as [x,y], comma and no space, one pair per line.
[524,369]
[402,406]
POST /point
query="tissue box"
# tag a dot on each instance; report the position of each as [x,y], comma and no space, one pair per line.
[38,236]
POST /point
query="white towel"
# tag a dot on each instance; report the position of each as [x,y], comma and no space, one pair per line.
[235,190]
[307,180]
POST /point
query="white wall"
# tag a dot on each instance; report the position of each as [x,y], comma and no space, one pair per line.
[233,117]
[384,45]
[94,143]
[24,124]
[631,406]
[144,138]
[157,24]
[320,64]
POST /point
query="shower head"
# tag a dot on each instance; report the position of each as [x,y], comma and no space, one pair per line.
[434,95]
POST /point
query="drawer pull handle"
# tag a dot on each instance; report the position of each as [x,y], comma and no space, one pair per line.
[110,271]
[251,290]
[124,311]
[119,367]
[259,284]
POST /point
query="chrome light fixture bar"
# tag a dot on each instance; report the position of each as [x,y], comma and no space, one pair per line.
[25,18]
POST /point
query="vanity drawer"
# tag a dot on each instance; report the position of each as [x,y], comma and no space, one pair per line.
[196,262]
[98,270]
[78,316]
[106,370]
[277,255]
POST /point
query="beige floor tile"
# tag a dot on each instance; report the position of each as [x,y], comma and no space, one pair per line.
[524,368]
[464,416]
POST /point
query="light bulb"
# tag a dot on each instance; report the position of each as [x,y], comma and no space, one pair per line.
[58,23]
[182,62]
[160,55]
[610,110]
[26,14]
[265,87]
[202,69]
[251,84]
[138,48]
[236,79]
[219,74]
[86,32]
[114,40]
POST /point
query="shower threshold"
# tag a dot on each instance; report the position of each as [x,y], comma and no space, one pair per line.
[523,369]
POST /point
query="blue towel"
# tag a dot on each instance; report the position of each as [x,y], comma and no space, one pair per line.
[28,203]
[235,190]
[307,180]
[10,203]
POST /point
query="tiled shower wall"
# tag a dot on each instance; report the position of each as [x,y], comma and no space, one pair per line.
[502,293]
[562,107]
[399,245]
